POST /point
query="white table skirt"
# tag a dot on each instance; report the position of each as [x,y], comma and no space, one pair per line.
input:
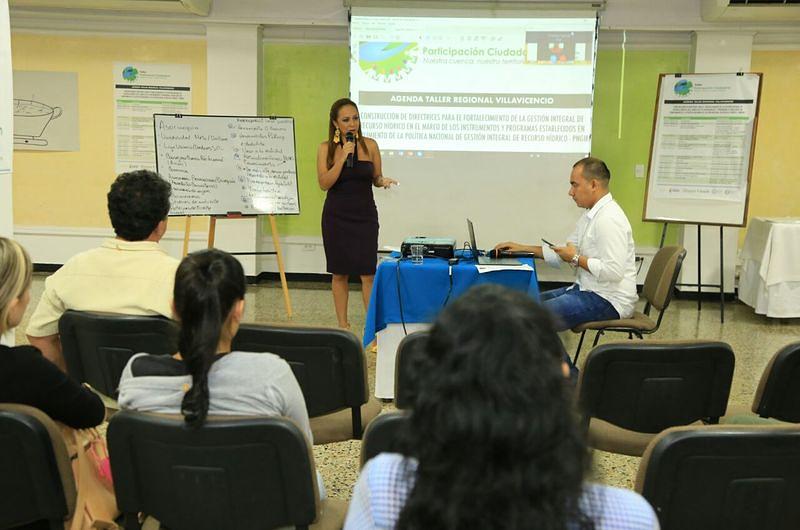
[770,277]
[780,300]
[388,340]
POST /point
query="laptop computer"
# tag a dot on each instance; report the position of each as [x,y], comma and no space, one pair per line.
[486,260]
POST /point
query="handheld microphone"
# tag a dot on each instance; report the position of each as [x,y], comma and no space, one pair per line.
[350,138]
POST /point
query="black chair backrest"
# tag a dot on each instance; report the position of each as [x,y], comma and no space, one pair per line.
[97,346]
[409,352]
[243,473]
[649,386]
[724,477]
[32,485]
[778,394]
[381,435]
[329,364]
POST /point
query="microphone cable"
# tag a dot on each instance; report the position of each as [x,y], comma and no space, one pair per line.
[400,297]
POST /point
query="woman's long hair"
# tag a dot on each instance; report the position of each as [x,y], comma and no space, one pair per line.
[334,115]
[15,277]
[207,285]
[493,426]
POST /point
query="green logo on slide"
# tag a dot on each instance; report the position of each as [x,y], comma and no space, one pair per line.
[683,87]
[387,61]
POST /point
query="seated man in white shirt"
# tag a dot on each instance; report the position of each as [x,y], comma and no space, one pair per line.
[130,274]
[601,249]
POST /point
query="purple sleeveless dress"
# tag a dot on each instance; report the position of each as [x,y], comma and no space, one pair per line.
[350,221]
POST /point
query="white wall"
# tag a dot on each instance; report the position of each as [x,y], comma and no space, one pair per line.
[6,207]
[233,55]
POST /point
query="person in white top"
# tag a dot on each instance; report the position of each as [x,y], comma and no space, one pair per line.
[601,249]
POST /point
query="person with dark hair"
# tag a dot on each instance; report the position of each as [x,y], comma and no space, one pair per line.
[205,376]
[130,274]
[492,440]
[137,202]
[25,376]
[601,249]
[348,165]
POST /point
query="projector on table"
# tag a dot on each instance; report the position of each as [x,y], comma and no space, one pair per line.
[440,247]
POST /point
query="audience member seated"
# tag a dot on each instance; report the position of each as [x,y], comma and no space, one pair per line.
[25,376]
[206,377]
[130,274]
[493,433]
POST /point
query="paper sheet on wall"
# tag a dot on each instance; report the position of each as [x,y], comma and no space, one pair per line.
[141,90]
[6,97]
[46,111]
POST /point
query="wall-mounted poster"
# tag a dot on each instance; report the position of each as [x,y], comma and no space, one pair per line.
[46,111]
[141,90]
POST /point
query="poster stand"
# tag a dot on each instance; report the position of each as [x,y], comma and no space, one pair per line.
[701,157]
[699,283]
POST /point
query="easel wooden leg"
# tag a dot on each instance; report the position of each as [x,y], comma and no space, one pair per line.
[212,231]
[186,231]
[281,270]
[721,279]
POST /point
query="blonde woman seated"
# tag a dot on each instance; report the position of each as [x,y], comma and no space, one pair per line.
[493,434]
[26,377]
[206,377]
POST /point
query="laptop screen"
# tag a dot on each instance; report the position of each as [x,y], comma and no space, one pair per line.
[472,242]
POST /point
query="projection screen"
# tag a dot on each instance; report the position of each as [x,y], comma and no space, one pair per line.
[478,114]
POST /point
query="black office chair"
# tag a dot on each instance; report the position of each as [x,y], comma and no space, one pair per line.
[36,480]
[330,367]
[778,393]
[410,351]
[777,398]
[631,391]
[97,346]
[382,435]
[244,473]
[723,477]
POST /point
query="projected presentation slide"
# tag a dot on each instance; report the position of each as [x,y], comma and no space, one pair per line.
[513,85]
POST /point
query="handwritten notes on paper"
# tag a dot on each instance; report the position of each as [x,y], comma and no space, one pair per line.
[226,164]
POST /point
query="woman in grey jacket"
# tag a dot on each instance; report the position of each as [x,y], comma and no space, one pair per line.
[206,377]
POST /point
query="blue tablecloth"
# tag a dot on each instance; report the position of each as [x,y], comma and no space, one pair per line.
[424,288]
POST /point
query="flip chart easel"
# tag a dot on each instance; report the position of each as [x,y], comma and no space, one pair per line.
[230,167]
[212,228]
[701,157]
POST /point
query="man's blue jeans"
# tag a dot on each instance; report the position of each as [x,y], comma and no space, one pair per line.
[571,307]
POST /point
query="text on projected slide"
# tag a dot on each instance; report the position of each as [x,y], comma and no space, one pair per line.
[228,164]
[458,84]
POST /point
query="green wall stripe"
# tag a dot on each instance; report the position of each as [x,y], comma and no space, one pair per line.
[302,81]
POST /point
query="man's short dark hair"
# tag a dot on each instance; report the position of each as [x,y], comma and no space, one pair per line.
[594,169]
[137,202]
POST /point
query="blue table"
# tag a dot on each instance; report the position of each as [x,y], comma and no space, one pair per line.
[423,289]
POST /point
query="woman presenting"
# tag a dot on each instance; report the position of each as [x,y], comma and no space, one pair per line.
[348,165]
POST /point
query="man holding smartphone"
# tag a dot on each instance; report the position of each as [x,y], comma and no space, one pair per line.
[600,248]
